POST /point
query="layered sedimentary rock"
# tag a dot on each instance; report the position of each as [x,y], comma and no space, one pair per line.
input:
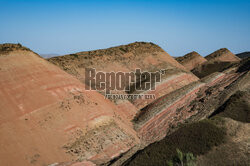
[47,116]
[191,60]
[191,103]
[153,121]
[222,54]
[127,58]
[171,81]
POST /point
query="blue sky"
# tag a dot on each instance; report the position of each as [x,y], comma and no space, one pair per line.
[179,27]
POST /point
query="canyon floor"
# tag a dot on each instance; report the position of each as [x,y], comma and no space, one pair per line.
[199,116]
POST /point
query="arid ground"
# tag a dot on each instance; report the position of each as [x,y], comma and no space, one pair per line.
[199,116]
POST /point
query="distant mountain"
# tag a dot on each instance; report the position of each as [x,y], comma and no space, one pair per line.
[243,55]
[49,55]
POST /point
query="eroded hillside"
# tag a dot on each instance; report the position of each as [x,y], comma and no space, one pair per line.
[191,60]
[126,58]
[216,62]
[49,118]
[217,132]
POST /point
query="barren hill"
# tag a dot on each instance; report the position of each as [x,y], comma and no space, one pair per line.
[216,62]
[222,54]
[47,116]
[126,58]
[191,60]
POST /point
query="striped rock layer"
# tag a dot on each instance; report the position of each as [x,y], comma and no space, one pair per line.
[127,58]
[47,116]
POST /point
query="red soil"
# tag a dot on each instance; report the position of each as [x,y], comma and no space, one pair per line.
[45,112]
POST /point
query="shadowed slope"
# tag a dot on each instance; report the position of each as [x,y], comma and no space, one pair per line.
[243,55]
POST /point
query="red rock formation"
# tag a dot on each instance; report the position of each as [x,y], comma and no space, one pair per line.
[167,85]
[191,60]
[200,98]
[126,58]
[47,117]
[212,79]
[154,120]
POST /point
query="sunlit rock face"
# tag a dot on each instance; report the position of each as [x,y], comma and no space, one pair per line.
[47,116]
[126,58]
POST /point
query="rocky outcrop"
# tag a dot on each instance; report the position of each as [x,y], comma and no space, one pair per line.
[191,60]
[153,121]
[171,82]
[48,117]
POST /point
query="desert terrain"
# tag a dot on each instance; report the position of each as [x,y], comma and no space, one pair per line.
[200,113]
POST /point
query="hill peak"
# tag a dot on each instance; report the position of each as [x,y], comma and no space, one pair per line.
[188,56]
[191,60]
[9,47]
[217,53]
[222,54]
[136,47]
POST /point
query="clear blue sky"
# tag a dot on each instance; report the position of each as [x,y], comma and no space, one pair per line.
[53,26]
